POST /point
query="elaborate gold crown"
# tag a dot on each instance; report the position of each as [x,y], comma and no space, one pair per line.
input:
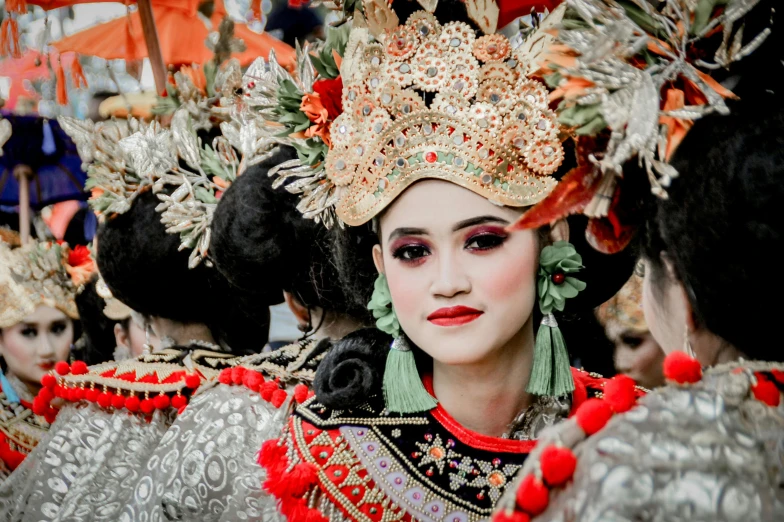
[36,274]
[373,110]
[487,128]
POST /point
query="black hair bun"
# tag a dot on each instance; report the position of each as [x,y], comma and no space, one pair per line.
[353,369]
[144,268]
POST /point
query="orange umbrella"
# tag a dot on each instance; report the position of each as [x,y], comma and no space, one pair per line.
[256,44]
[180,31]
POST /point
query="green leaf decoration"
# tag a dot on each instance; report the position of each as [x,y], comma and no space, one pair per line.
[703,14]
[381,306]
[212,164]
[288,111]
[311,152]
[324,61]
[210,73]
[587,119]
[204,195]
[560,257]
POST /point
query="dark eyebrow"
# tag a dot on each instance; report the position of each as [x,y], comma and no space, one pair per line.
[406,231]
[479,221]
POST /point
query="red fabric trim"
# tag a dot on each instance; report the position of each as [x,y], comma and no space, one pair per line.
[471,438]
[511,9]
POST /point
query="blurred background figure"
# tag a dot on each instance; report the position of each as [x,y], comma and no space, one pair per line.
[112,331]
[637,353]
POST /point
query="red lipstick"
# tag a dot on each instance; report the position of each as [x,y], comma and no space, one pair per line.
[454,316]
[46,366]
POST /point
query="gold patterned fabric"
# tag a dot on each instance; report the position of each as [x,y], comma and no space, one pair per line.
[710,451]
[205,467]
[86,466]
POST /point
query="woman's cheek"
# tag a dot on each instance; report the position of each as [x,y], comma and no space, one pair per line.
[506,275]
[408,289]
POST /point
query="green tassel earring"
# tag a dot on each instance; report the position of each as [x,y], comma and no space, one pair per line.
[551,373]
[403,389]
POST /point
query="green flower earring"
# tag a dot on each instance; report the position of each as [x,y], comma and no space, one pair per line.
[403,389]
[551,373]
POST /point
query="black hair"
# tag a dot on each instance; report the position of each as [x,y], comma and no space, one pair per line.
[144,268]
[98,341]
[722,224]
[262,243]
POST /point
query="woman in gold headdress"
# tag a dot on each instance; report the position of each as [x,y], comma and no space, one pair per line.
[427,139]
[37,321]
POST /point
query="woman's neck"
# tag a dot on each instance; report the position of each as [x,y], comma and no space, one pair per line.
[486,397]
[26,390]
[182,333]
[333,326]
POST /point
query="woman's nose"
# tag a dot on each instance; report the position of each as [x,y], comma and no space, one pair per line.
[450,279]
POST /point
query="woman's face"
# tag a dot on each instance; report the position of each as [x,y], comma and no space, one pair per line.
[638,355]
[133,337]
[32,347]
[462,287]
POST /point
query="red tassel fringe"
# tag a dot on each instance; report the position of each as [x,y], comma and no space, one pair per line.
[255,7]
[289,487]
[62,86]
[9,39]
[16,6]
[77,75]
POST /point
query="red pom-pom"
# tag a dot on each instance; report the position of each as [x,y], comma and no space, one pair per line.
[557,465]
[73,394]
[267,389]
[224,377]
[105,400]
[118,401]
[40,405]
[300,479]
[272,456]
[162,402]
[300,393]
[46,395]
[62,367]
[533,496]
[682,368]
[192,381]
[132,403]
[593,415]
[766,391]
[78,394]
[278,398]
[79,368]
[516,516]
[237,373]
[252,380]
[179,401]
[50,415]
[49,381]
[619,393]
[147,406]
[91,394]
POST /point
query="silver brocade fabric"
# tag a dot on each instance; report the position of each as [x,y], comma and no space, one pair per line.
[205,468]
[707,452]
[53,482]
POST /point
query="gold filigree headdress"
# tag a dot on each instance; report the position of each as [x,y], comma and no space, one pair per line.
[39,274]
[390,103]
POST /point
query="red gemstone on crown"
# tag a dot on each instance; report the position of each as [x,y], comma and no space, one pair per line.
[431,157]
